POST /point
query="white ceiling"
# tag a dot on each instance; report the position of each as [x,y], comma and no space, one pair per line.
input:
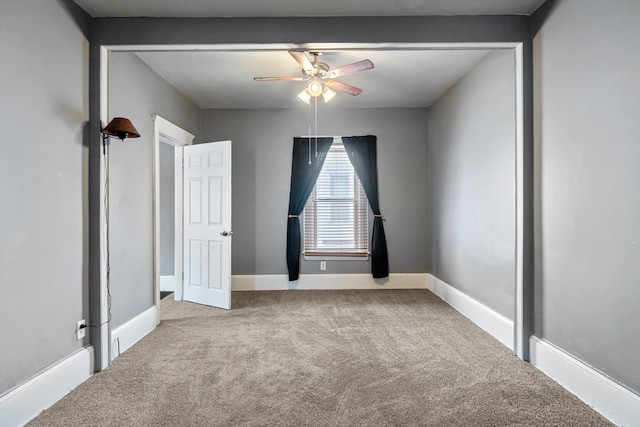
[224,78]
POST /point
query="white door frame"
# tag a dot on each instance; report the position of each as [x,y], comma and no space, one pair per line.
[166,132]
[523,295]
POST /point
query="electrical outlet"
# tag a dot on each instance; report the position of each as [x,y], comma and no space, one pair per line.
[323,265]
[80,329]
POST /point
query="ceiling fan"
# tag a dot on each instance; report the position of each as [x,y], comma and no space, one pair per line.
[320,76]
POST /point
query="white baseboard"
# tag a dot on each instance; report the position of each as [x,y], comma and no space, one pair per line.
[492,322]
[616,403]
[167,283]
[280,282]
[26,401]
[123,337]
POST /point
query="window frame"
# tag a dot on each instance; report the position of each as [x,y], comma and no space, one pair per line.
[337,255]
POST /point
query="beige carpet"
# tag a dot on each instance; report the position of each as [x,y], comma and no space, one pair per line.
[319,358]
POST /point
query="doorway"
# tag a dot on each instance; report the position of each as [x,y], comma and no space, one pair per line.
[167,208]
[167,203]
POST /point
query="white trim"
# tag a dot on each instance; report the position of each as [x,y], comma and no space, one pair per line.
[616,403]
[167,283]
[279,282]
[492,322]
[166,132]
[125,336]
[334,258]
[103,331]
[26,401]
[178,136]
[311,46]
[179,224]
[519,347]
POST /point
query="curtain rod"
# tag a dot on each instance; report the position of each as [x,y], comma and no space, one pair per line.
[319,136]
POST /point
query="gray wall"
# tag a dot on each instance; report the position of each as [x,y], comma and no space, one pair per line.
[167,209]
[137,92]
[262,144]
[302,30]
[587,107]
[43,185]
[471,184]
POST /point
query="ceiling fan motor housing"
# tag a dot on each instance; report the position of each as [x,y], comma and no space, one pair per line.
[319,69]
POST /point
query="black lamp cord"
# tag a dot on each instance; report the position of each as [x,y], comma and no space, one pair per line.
[105,151]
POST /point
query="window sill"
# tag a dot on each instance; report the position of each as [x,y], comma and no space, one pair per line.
[335,256]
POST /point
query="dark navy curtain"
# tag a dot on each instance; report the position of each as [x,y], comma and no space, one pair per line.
[362,153]
[305,168]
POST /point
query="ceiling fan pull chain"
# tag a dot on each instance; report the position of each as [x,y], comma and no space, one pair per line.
[316,113]
[309,123]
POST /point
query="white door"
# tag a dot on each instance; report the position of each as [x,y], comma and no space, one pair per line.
[207,224]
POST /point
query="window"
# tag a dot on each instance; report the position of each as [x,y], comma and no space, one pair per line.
[336,214]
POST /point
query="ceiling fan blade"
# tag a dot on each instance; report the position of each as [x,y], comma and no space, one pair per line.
[301,58]
[269,79]
[363,65]
[343,87]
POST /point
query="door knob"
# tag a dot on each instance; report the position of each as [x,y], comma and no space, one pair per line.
[226,233]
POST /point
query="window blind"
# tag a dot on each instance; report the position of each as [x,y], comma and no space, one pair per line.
[336,213]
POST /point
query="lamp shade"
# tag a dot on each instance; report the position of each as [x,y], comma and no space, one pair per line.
[304,96]
[328,94]
[122,128]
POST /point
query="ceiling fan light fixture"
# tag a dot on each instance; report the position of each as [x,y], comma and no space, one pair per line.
[315,88]
[328,94]
[320,76]
[304,96]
